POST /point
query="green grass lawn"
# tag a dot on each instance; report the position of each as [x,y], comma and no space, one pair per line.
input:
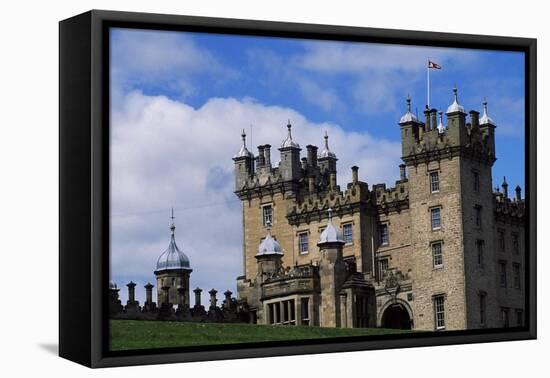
[135,334]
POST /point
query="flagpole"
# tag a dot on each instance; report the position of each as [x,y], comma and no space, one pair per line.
[428,73]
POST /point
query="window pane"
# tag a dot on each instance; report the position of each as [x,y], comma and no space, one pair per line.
[303,241]
[384,234]
[437,255]
[436,218]
[439,308]
[434,181]
[348,233]
[268,215]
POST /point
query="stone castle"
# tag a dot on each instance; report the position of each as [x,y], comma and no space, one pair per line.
[440,250]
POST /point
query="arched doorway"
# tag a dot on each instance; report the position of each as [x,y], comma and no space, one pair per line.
[396,316]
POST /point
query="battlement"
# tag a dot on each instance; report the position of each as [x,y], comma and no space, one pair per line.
[427,141]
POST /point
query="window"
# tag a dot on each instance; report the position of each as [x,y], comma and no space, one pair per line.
[303,242]
[437,255]
[383,231]
[304,304]
[267,215]
[515,242]
[505,318]
[348,233]
[439,311]
[436,218]
[517,284]
[482,311]
[289,316]
[501,244]
[384,265]
[503,279]
[519,317]
[477,209]
[434,182]
[476,180]
[480,247]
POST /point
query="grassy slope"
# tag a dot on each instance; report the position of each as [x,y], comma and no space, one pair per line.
[132,334]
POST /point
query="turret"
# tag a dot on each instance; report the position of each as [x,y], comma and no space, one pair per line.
[410,130]
[505,187]
[244,164]
[332,273]
[456,121]
[327,158]
[269,254]
[290,167]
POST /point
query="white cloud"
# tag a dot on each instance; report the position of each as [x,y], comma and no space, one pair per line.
[169,60]
[166,153]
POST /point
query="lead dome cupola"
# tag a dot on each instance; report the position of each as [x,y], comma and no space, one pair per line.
[173,258]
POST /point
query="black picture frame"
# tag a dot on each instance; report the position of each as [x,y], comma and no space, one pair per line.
[84,185]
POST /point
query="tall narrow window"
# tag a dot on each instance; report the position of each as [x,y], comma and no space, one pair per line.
[503,278]
[436,218]
[476,180]
[303,242]
[480,247]
[517,275]
[348,233]
[482,311]
[383,231]
[437,255]
[304,310]
[501,243]
[439,311]
[477,210]
[515,242]
[505,317]
[383,265]
[519,317]
[267,215]
[434,182]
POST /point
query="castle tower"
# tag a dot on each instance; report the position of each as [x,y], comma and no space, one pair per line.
[173,271]
[451,207]
[327,164]
[290,167]
[244,164]
[332,273]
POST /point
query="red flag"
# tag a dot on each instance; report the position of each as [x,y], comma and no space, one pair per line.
[433,65]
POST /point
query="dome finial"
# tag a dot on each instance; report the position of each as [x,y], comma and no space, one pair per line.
[329,211]
[408,116]
[243,152]
[243,135]
[408,102]
[455,107]
[326,151]
[288,142]
[172,226]
[485,119]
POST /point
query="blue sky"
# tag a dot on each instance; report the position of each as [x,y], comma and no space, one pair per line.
[180,100]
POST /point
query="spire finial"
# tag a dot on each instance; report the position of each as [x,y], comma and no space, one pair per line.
[455,92]
[504,183]
[172,226]
[408,102]
[326,140]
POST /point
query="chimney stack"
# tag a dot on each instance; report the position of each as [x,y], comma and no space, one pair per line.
[148,293]
[312,155]
[354,174]
[505,187]
[261,157]
[427,118]
[213,299]
[474,119]
[433,121]
[518,193]
[267,155]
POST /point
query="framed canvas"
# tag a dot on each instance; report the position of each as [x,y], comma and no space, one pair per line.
[235,188]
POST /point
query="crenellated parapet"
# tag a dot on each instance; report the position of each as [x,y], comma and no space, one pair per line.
[427,141]
[389,200]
